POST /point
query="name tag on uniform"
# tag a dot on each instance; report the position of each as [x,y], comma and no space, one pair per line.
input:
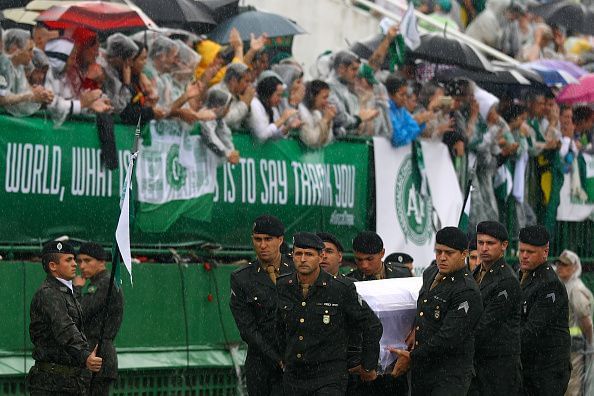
[326,319]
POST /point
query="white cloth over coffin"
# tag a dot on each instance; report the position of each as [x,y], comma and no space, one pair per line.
[394,301]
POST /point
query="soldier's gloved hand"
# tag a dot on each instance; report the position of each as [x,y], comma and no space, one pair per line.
[94,362]
[403,362]
[367,376]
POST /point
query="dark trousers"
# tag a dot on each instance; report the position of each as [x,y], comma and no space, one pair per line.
[447,381]
[497,375]
[263,376]
[324,385]
[546,382]
[385,384]
[101,386]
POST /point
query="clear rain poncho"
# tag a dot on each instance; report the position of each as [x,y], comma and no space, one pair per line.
[120,49]
[162,46]
[216,135]
[183,71]
[13,79]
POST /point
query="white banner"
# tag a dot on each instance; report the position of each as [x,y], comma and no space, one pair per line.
[176,165]
[568,209]
[405,219]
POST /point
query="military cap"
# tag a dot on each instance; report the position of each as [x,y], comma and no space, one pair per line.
[368,242]
[308,240]
[270,225]
[494,229]
[399,258]
[327,237]
[57,247]
[452,237]
[94,250]
[535,235]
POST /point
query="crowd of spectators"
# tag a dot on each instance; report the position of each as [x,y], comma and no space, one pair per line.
[513,149]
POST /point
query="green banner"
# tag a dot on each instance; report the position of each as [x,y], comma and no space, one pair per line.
[54,185]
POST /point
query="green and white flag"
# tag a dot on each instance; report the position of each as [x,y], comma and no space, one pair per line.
[586,164]
[176,177]
[465,215]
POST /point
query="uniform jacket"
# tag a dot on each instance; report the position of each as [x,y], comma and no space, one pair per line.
[56,327]
[545,321]
[253,305]
[445,322]
[92,303]
[392,271]
[314,332]
[498,331]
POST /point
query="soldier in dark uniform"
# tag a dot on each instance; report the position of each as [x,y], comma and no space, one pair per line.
[497,336]
[316,311]
[332,254]
[91,260]
[473,256]
[369,251]
[253,305]
[448,309]
[546,342]
[60,348]
[402,262]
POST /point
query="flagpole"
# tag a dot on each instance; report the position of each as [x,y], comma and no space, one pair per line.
[115,262]
[466,196]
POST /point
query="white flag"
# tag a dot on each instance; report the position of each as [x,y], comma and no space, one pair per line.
[123,229]
[408,28]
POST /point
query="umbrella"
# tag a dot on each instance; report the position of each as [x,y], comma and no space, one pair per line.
[180,14]
[364,49]
[436,48]
[554,64]
[568,13]
[582,92]
[12,3]
[221,9]
[258,23]
[97,16]
[28,15]
[551,77]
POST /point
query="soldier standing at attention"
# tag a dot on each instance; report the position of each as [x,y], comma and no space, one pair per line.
[448,310]
[497,336]
[369,251]
[91,260]
[253,305]
[546,343]
[332,254]
[60,348]
[316,313]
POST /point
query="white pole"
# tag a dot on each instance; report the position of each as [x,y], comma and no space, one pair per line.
[454,33]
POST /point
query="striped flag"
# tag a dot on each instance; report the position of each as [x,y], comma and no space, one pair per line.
[465,215]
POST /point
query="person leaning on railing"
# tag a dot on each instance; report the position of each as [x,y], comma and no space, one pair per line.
[17,96]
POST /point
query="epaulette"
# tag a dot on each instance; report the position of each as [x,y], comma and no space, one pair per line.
[243,268]
[344,280]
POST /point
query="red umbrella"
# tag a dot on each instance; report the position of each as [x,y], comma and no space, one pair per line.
[98,16]
[582,92]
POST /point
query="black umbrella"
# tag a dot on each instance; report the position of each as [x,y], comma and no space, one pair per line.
[221,9]
[364,49]
[258,23]
[503,79]
[572,15]
[181,14]
[4,4]
[436,48]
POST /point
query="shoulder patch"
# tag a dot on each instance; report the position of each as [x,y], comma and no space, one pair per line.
[243,268]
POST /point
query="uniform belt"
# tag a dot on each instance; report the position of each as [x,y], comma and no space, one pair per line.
[58,369]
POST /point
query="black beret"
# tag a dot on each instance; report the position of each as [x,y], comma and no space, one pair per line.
[327,237]
[471,241]
[494,229]
[452,237]
[368,242]
[57,247]
[270,225]
[399,258]
[535,235]
[308,240]
[94,250]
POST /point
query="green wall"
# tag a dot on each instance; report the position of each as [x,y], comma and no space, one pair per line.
[153,332]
